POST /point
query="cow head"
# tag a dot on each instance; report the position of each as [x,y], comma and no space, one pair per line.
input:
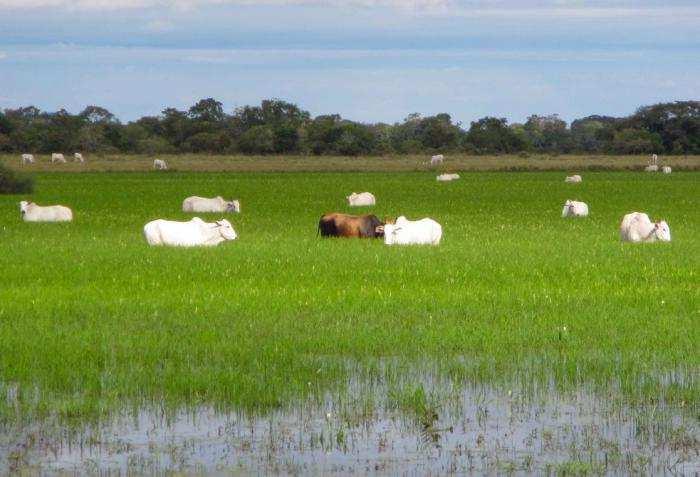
[23,206]
[662,231]
[233,206]
[226,229]
[390,233]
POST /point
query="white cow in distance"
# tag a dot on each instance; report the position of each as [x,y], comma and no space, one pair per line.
[160,165]
[652,168]
[573,208]
[666,169]
[32,212]
[361,200]
[407,232]
[27,158]
[437,159]
[77,157]
[447,177]
[193,233]
[637,227]
[57,157]
[203,204]
[573,179]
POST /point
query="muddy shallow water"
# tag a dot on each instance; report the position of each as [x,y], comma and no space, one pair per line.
[476,429]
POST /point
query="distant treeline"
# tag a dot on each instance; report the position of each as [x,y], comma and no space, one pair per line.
[279,127]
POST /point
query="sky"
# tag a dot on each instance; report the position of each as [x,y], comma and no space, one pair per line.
[368,60]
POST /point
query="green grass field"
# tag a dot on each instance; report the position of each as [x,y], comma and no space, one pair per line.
[92,319]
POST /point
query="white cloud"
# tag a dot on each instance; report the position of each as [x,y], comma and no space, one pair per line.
[159,26]
[3,55]
[193,4]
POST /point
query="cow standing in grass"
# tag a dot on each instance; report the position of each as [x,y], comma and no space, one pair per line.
[27,159]
[57,158]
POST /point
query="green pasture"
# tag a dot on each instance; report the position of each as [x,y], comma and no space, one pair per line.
[92,319]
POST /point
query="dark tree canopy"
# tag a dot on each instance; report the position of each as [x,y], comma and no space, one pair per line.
[276,126]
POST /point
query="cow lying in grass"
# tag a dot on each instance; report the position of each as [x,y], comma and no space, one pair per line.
[194,233]
[637,227]
[412,232]
[336,224]
[32,212]
[573,208]
[362,199]
[216,204]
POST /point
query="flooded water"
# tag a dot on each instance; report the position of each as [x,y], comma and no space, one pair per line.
[373,428]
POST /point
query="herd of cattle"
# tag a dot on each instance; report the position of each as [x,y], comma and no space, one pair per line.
[56,158]
[635,226]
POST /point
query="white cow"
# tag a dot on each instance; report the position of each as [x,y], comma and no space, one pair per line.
[573,208]
[52,213]
[573,179]
[652,168]
[654,159]
[77,157]
[160,165]
[27,158]
[666,169]
[637,227]
[447,177]
[204,204]
[437,159]
[57,157]
[407,232]
[194,233]
[361,199]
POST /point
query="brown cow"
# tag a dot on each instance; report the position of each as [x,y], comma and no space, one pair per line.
[336,224]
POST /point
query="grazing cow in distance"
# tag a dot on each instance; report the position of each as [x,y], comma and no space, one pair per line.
[412,232]
[57,157]
[193,233]
[77,157]
[666,169]
[216,204]
[437,159]
[362,199]
[32,212]
[573,208]
[335,224]
[447,177]
[160,165]
[27,158]
[573,179]
[652,168]
[637,227]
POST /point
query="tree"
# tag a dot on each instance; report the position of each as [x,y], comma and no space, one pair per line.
[98,115]
[548,133]
[636,141]
[209,110]
[257,140]
[491,134]
[438,132]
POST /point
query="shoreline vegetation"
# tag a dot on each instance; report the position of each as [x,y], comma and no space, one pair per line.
[390,163]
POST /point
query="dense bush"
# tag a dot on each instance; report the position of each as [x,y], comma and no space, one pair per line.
[280,127]
[12,182]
